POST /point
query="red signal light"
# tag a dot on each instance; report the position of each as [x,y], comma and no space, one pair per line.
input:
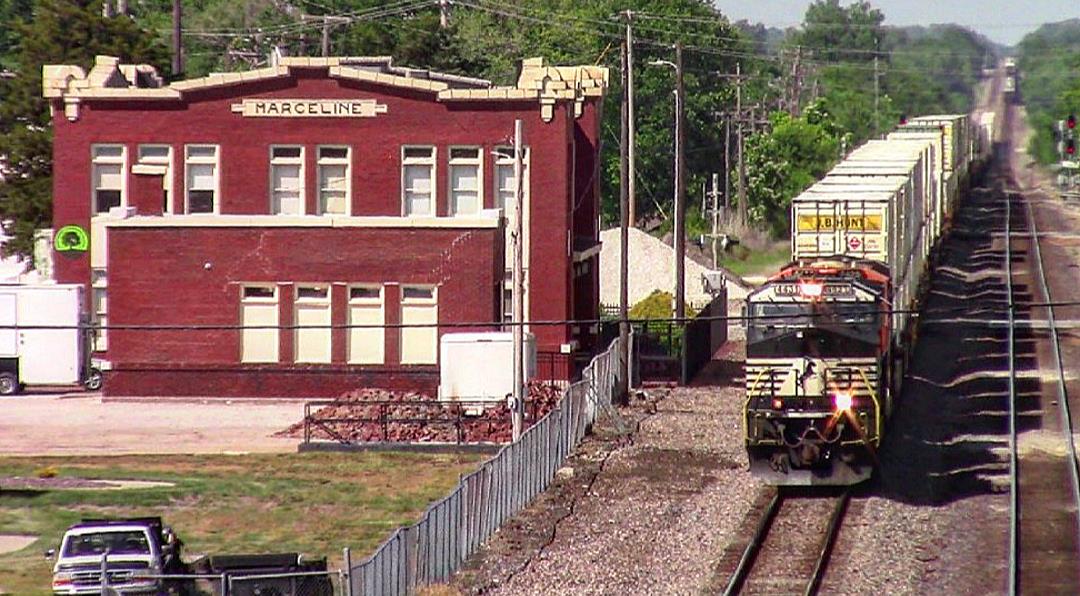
[1070,147]
[1070,122]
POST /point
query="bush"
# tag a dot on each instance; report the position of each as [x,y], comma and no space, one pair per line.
[47,472]
[658,305]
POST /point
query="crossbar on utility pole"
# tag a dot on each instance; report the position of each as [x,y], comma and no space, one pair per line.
[623,391]
[518,276]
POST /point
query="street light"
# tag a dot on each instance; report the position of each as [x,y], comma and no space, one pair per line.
[680,233]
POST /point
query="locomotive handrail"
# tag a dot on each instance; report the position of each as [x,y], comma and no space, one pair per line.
[877,404]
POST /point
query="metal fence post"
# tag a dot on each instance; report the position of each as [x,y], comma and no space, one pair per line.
[104,581]
[346,581]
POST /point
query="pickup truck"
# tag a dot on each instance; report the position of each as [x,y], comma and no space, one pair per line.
[142,553]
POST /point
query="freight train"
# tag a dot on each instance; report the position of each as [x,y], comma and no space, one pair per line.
[829,336]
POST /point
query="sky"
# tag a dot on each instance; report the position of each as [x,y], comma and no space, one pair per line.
[1003,21]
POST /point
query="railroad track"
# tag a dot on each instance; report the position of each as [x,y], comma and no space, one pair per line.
[792,543]
[1044,524]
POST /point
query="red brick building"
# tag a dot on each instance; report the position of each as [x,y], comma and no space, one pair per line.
[251,218]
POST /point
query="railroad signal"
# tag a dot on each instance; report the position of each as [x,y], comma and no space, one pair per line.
[1070,147]
[1070,122]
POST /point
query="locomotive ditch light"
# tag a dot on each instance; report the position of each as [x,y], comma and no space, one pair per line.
[777,403]
[842,401]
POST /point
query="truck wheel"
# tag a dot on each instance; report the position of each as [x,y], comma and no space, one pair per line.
[9,385]
[93,380]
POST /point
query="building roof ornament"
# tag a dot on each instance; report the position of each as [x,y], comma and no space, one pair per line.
[537,81]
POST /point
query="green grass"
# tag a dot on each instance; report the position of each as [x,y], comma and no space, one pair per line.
[744,263]
[314,503]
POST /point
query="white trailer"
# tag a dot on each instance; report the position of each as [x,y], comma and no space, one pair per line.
[43,339]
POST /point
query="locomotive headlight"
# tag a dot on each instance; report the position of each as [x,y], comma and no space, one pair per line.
[811,290]
[777,403]
[842,401]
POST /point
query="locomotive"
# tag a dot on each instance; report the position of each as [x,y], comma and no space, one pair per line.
[828,336]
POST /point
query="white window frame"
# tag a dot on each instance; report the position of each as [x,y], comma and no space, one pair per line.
[335,162]
[432,163]
[108,160]
[99,284]
[468,162]
[202,160]
[167,178]
[261,301]
[504,158]
[287,161]
[380,301]
[323,302]
[405,331]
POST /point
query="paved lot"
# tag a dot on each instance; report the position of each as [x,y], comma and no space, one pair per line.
[81,424]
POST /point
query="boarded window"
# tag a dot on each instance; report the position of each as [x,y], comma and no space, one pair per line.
[287,180]
[419,306]
[417,181]
[312,314]
[366,344]
[259,317]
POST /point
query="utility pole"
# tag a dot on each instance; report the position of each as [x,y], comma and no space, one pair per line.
[680,188]
[177,46]
[622,392]
[743,212]
[631,164]
[444,14]
[796,83]
[727,161]
[519,289]
[715,216]
[877,88]
[325,36]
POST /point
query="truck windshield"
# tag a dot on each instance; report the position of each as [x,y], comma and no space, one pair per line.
[130,542]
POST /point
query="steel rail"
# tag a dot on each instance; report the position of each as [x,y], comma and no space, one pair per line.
[761,532]
[746,562]
[1062,392]
[1014,508]
[828,543]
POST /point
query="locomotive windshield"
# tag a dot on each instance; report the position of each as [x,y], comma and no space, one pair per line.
[826,329]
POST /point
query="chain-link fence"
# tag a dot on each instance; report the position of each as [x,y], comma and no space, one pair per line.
[297,583]
[454,527]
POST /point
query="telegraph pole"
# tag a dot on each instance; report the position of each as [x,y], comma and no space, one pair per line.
[743,212]
[631,164]
[519,290]
[715,215]
[622,392]
[177,49]
[680,188]
[444,14]
[877,88]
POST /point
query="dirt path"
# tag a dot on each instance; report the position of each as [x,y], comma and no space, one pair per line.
[84,425]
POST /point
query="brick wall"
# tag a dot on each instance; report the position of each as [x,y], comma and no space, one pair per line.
[192,276]
[560,154]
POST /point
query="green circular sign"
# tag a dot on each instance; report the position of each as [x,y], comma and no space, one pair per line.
[71,239]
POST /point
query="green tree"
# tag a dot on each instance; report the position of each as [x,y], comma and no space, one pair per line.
[785,161]
[61,32]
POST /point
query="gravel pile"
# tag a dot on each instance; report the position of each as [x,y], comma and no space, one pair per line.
[649,511]
[401,416]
